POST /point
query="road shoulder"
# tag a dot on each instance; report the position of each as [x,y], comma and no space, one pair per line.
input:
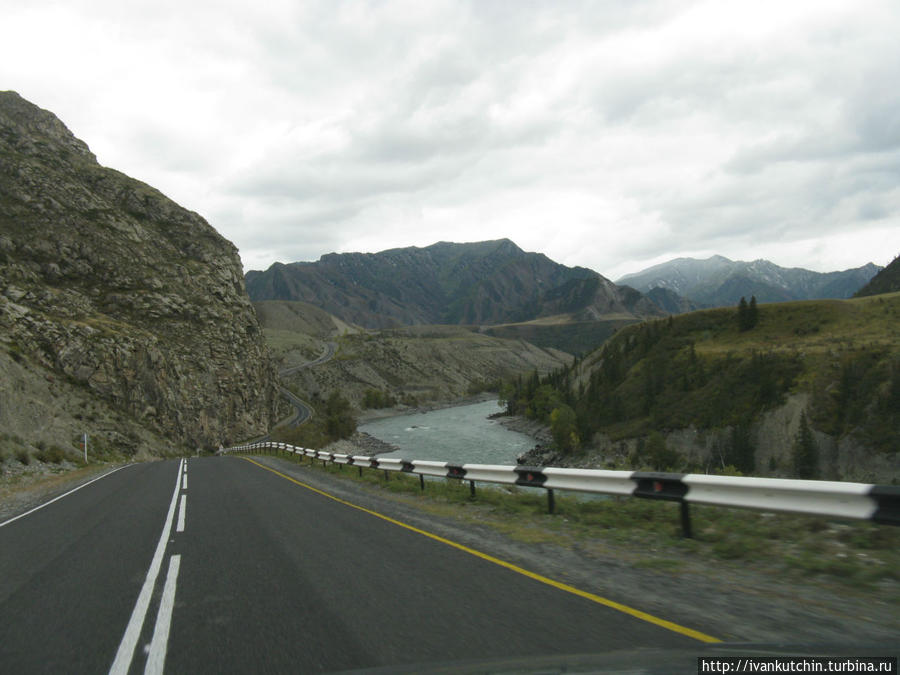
[733,601]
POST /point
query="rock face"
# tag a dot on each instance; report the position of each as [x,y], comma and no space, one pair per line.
[106,282]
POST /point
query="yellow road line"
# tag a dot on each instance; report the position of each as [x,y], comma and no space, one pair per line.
[638,614]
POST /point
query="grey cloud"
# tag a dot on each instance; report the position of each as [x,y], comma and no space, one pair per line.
[426,131]
[336,179]
[174,150]
[332,120]
[402,140]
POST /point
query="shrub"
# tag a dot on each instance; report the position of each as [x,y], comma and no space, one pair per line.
[52,455]
[373,398]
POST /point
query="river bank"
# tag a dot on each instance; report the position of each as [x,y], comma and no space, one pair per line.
[460,431]
[361,443]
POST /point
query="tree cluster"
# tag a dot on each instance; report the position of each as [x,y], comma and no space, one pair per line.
[863,399]
[375,398]
[747,314]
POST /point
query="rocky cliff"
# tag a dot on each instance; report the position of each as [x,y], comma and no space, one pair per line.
[116,290]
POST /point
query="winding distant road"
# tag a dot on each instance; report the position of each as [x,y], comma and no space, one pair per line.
[327,355]
[302,411]
[230,565]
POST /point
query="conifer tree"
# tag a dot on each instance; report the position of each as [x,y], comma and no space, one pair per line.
[806,453]
[752,313]
[742,314]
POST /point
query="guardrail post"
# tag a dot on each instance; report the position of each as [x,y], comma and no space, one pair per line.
[551,501]
[686,521]
[472,489]
[422,482]
[360,470]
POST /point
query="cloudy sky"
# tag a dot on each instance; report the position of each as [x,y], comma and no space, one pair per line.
[612,134]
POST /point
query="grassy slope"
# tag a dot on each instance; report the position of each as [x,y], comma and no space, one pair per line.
[846,350]
[562,332]
[296,332]
[300,317]
[820,332]
[814,327]
[838,359]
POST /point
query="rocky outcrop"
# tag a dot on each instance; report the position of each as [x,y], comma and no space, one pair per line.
[109,284]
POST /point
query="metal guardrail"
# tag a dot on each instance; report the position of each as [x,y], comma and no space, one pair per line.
[856,501]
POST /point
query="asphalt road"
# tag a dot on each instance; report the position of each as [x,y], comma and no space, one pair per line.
[302,412]
[266,576]
[327,355]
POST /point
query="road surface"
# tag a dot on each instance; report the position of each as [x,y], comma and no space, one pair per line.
[220,564]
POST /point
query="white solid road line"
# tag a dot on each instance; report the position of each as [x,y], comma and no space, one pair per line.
[156,659]
[37,508]
[180,527]
[125,654]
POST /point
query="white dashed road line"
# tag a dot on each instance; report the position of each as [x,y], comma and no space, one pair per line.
[181,511]
[156,658]
[125,654]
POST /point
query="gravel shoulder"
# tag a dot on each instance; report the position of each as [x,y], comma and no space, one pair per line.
[22,491]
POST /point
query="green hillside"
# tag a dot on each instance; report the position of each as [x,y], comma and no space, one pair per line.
[574,337]
[700,371]
[886,281]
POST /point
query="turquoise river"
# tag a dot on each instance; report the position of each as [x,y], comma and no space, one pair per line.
[459,435]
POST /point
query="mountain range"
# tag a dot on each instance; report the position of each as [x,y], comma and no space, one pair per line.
[719,282]
[485,283]
[511,293]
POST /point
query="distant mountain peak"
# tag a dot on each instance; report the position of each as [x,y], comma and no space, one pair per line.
[718,281]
